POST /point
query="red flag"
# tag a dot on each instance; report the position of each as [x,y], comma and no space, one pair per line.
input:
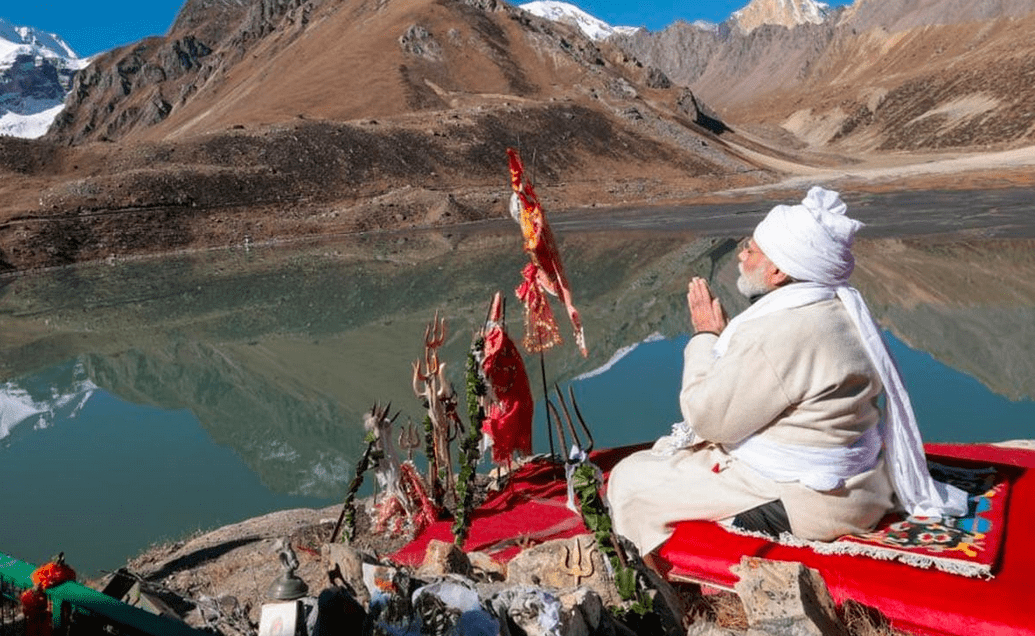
[544,271]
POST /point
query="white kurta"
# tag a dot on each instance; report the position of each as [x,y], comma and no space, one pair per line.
[797,376]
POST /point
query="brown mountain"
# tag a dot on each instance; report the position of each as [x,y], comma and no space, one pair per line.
[885,76]
[262,119]
[256,120]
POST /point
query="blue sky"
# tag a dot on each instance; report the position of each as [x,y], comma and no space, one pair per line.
[92,27]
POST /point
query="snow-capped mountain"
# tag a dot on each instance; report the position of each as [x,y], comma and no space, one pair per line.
[705,25]
[594,28]
[788,13]
[39,402]
[36,71]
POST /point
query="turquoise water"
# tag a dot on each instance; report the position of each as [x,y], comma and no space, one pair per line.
[146,400]
[950,406]
[115,477]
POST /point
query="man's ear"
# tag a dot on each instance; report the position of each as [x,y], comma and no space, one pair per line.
[776,277]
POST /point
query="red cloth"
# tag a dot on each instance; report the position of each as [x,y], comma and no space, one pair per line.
[546,272]
[531,508]
[923,601]
[509,420]
[541,331]
[914,600]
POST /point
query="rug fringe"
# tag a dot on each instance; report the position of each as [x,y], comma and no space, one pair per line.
[923,561]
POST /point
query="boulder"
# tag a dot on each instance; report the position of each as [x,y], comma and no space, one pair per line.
[562,564]
[783,598]
[486,567]
[344,566]
[442,558]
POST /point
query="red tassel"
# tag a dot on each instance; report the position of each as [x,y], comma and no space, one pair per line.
[541,330]
[35,604]
[36,609]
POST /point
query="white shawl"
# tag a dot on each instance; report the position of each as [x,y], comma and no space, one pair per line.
[920,494]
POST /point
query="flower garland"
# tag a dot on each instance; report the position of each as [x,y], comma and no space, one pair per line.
[348,514]
[35,603]
[469,451]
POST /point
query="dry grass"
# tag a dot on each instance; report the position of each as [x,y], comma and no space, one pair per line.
[726,611]
[862,620]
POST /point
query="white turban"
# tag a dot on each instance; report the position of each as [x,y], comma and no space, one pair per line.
[812,241]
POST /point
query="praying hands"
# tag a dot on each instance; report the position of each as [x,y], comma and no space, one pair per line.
[706,312]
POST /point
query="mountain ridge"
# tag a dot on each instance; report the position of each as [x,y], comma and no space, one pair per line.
[354,116]
[881,77]
[593,27]
[785,13]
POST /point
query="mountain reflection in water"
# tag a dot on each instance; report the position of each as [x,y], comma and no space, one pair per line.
[142,400]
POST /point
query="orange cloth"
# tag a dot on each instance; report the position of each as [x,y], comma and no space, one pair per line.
[544,272]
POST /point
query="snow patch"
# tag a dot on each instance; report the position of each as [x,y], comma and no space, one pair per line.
[25,117]
[786,13]
[19,40]
[29,126]
[593,28]
[618,355]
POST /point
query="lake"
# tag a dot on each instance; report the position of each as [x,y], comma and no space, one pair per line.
[143,400]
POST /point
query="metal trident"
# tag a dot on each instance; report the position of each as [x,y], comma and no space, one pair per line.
[555,417]
[579,569]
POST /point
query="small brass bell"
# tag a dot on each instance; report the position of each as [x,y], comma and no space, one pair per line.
[287,586]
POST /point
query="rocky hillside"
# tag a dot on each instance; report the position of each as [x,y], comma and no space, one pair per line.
[263,119]
[882,76]
[263,62]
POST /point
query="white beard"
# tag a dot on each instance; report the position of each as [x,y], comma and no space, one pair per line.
[751,284]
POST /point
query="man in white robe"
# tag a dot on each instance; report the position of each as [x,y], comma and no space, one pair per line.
[782,429]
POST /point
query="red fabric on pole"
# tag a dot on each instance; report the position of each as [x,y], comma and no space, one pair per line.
[509,420]
[547,274]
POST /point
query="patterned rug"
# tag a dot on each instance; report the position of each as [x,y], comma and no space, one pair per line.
[968,546]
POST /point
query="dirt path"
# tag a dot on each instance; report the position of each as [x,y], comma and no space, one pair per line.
[904,171]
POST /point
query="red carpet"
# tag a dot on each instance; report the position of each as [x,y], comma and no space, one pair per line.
[531,509]
[923,601]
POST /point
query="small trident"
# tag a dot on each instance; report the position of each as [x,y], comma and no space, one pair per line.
[434,337]
[578,570]
[409,439]
[435,333]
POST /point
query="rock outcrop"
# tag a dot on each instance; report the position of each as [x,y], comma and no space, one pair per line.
[785,13]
